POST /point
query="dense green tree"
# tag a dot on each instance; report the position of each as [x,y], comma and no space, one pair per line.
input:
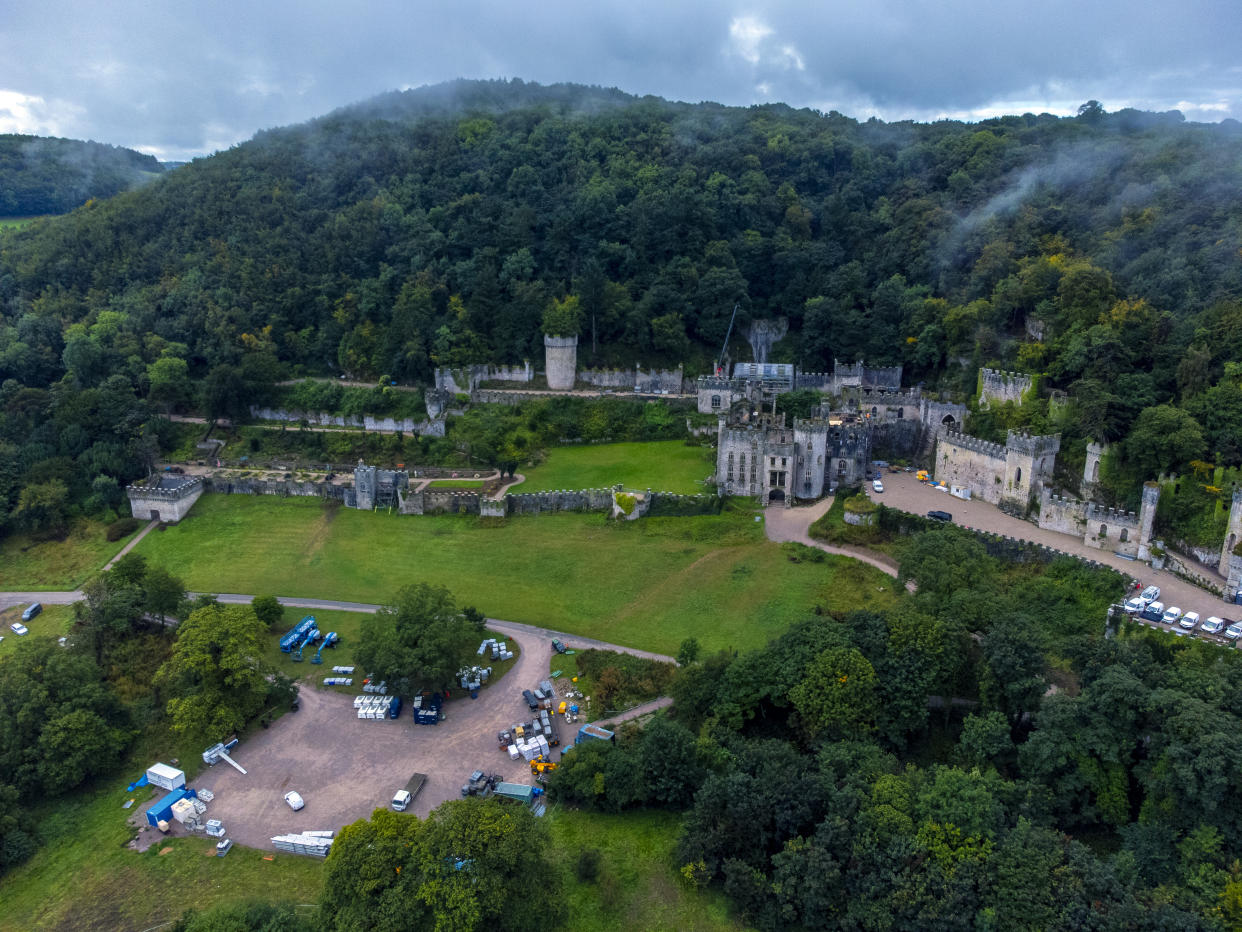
[216,677]
[419,641]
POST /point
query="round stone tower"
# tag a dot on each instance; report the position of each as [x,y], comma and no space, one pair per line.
[560,361]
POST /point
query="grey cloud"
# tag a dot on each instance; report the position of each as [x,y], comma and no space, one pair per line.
[185,77]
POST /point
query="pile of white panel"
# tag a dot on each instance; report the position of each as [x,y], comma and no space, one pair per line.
[342,669]
[316,844]
[499,649]
[372,707]
[532,747]
[378,688]
[338,681]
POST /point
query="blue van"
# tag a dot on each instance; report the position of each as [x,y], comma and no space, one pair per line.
[33,610]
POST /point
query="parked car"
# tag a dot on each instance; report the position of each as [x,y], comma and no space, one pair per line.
[531,701]
[1234,631]
[18,628]
[1134,605]
[1171,614]
[294,800]
[1189,621]
[1153,612]
[940,516]
[31,611]
[877,486]
[1213,625]
[1149,595]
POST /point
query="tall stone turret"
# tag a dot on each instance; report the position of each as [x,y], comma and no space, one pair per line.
[1147,518]
[1233,533]
[1091,469]
[560,361]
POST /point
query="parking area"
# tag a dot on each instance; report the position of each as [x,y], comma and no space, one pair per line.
[345,768]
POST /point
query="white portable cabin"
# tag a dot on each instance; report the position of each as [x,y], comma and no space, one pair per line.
[170,778]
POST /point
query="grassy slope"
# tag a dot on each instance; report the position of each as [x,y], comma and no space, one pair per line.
[665,465]
[638,885]
[63,564]
[648,583]
[54,620]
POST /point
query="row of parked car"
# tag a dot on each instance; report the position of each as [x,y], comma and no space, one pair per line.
[1147,605]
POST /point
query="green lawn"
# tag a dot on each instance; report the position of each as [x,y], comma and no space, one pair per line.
[16,222]
[54,620]
[648,583]
[663,465]
[57,564]
[638,885]
[460,485]
[84,878]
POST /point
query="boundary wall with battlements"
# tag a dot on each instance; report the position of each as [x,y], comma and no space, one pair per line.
[1094,524]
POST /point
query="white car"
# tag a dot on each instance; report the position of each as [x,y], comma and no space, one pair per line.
[1150,594]
[18,628]
[294,800]
[1134,606]
[1234,631]
[1189,620]
[877,485]
[1171,615]
[1213,625]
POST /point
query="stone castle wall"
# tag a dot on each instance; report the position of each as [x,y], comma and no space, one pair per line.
[971,463]
[646,380]
[168,505]
[466,379]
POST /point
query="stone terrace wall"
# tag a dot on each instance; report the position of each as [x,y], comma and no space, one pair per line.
[439,501]
[283,487]
[1064,515]
[971,463]
[466,379]
[434,428]
[648,380]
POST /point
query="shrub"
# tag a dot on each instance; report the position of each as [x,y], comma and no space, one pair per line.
[587,868]
[122,527]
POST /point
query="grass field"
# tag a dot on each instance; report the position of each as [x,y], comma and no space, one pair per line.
[16,222]
[84,878]
[648,583]
[54,620]
[663,465]
[638,886]
[56,564]
[460,485]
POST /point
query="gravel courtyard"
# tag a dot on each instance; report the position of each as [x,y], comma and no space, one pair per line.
[345,767]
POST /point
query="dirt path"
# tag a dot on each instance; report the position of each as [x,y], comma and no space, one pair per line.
[637,712]
[132,544]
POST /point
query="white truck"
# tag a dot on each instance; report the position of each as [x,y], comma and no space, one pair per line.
[402,798]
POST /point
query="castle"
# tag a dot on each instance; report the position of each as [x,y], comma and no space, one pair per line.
[763,458]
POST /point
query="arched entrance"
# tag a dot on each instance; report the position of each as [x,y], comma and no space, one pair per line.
[948,421]
[776,495]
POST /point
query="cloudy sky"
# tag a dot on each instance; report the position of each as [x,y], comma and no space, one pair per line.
[180,78]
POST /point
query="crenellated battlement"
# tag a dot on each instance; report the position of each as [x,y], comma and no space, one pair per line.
[1002,386]
[1034,445]
[973,444]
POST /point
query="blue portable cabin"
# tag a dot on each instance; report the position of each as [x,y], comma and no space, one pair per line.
[427,709]
[290,640]
[394,707]
[161,810]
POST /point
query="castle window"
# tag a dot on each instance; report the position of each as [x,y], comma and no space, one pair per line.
[1017,477]
[782,461]
[771,460]
[874,411]
[1125,535]
[901,413]
[819,461]
[1104,530]
[715,401]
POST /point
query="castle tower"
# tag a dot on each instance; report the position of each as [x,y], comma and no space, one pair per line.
[560,362]
[1029,460]
[365,481]
[1233,533]
[1091,469]
[1147,517]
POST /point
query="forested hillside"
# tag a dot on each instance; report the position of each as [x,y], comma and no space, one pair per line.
[435,226]
[42,175]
